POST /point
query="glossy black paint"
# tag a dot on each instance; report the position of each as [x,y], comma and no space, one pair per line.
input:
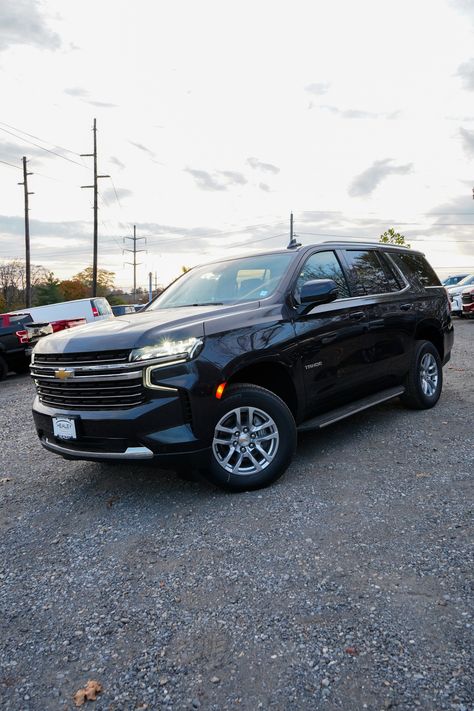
[317,357]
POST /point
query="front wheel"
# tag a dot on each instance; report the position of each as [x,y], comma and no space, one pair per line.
[424,381]
[254,439]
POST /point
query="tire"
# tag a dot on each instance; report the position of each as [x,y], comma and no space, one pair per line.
[3,368]
[424,381]
[21,368]
[265,459]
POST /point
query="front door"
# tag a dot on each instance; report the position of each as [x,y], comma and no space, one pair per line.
[332,338]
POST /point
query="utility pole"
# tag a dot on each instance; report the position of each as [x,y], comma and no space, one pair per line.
[27,235]
[134,263]
[150,286]
[95,189]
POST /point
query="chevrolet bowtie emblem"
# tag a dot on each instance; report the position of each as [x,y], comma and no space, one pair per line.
[63,374]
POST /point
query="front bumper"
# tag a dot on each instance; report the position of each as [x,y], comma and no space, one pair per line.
[468,308]
[173,423]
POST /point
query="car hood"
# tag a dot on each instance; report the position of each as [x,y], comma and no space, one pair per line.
[139,329]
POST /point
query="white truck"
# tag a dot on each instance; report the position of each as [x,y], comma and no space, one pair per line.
[94,309]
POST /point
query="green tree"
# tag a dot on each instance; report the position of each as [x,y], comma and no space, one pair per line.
[392,237]
[48,292]
[105,280]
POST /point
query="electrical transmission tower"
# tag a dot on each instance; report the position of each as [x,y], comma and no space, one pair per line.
[95,189]
[27,235]
[134,263]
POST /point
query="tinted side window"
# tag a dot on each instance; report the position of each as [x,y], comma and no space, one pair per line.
[102,306]
[394,277]
[416,266]
[368,272]
[323,265]
[20,319]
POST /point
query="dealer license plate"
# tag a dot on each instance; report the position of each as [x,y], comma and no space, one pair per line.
[64,428]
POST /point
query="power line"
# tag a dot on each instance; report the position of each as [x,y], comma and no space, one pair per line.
[17,167]
[70,160]
[19,130]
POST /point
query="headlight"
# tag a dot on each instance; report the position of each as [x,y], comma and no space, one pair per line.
[168,350]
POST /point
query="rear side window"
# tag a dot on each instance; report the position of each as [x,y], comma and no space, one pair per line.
[323,265]
[416,267]
[102,306]
[369,273]
[20,319]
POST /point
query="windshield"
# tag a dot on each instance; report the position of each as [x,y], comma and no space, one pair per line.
[245,279]
[466,281]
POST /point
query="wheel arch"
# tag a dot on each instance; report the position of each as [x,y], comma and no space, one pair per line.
[271,376]
[431,331]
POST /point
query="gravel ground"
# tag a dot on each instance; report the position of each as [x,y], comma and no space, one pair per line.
[343,586]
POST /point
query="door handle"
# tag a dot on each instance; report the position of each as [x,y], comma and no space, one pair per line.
[405,307]
[357,315]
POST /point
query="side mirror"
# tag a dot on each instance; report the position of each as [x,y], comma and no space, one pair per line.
[318,291]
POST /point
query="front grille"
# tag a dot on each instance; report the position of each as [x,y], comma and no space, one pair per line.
[62,359]
[88,386]
[468,298]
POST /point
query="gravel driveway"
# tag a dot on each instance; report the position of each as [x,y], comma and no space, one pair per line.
[343,586]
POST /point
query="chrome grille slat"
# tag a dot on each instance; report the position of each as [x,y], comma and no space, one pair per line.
[105,388]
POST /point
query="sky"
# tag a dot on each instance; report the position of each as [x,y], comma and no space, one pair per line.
[218,118]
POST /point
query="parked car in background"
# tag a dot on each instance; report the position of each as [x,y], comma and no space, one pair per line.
[32,332]
[95,309]
[467,298]
[123,309]
[455,294]
[221,370]
[454,279]
[12,351]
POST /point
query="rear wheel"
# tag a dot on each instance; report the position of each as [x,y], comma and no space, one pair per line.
[254,439]
[424,381]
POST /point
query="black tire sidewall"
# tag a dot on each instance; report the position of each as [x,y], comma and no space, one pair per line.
[3,368]
[281,415]
[425,400]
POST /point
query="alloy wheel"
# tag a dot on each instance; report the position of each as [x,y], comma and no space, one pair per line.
[246,441]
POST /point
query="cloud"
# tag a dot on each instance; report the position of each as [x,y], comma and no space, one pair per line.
[13,153]
[122,193]
[117,162]
[21,23]
[233,177]
[465,7]
[264,187]
[218,180]
[142,148]
[317,88]
[359,113]
[257,164]
[467,140]
[368,180]
[76,91]
[102,104]
[350,113]
[83,94]
[466,72]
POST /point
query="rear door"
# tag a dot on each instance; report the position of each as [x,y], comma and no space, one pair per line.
[386,297]
[332,338]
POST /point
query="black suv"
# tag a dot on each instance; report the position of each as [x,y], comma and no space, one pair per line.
[235,356]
